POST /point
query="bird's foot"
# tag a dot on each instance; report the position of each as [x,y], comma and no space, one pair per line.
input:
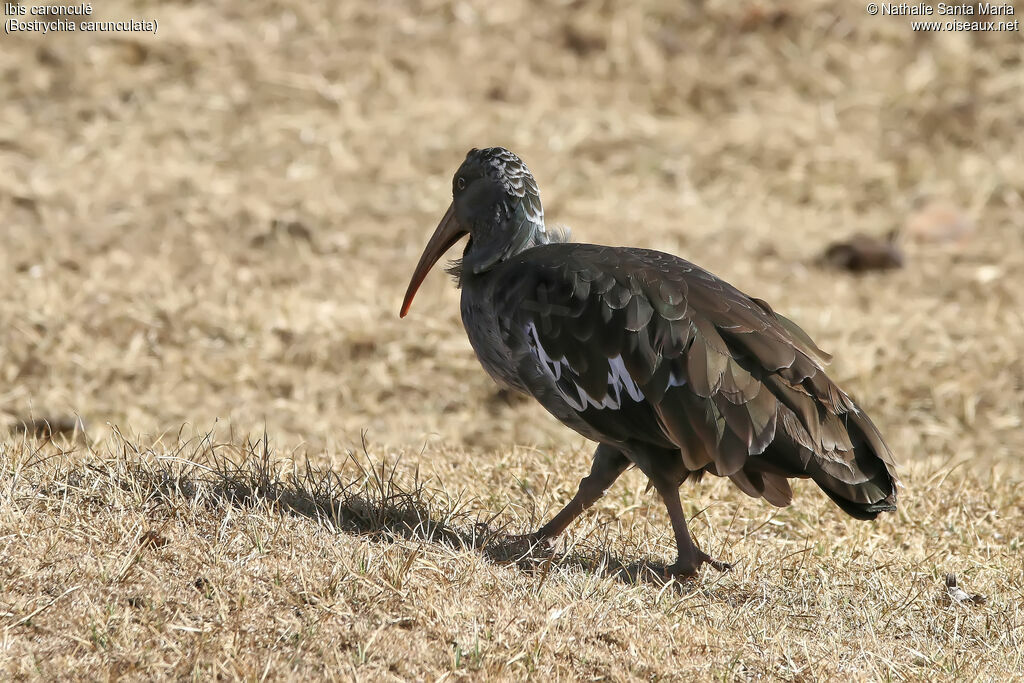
[691,565]
[523,548]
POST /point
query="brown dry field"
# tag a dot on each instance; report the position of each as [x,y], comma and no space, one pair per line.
[206,234]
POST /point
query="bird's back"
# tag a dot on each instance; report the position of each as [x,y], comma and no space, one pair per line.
[634,346]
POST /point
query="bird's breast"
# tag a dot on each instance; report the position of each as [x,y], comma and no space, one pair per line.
[480,319]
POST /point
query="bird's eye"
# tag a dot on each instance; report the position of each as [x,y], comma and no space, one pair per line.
[460,183]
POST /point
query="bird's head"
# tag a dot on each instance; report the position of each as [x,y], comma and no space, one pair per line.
[496,202]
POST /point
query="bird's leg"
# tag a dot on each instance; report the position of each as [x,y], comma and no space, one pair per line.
[608,464]
[690,556]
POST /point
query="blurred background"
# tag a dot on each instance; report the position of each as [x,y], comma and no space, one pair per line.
[215,224]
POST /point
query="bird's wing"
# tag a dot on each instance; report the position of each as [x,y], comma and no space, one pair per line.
[645,346]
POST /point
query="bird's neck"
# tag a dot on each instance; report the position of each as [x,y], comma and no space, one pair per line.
[490,246]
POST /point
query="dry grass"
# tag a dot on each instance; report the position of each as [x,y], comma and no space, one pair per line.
[200,558]
[216,223]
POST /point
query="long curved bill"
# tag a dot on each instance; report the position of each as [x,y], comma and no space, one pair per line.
[448,233]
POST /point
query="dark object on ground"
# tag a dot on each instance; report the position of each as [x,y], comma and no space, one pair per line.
[663,364]
[861,253]
[956,594]
[47,427]
[283,229]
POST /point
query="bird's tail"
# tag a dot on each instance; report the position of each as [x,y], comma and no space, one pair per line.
[862,486]
[868,485]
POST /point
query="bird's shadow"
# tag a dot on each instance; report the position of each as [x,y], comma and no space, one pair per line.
[373,503]
[508,549]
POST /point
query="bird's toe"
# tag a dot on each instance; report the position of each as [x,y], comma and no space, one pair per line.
[688,567]
[718,564]
[523,547]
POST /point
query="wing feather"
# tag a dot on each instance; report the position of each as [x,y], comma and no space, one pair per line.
[647,347]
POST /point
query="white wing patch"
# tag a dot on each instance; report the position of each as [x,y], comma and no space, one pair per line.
[620,384]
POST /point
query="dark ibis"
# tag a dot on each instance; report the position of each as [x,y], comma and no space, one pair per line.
[667,367]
